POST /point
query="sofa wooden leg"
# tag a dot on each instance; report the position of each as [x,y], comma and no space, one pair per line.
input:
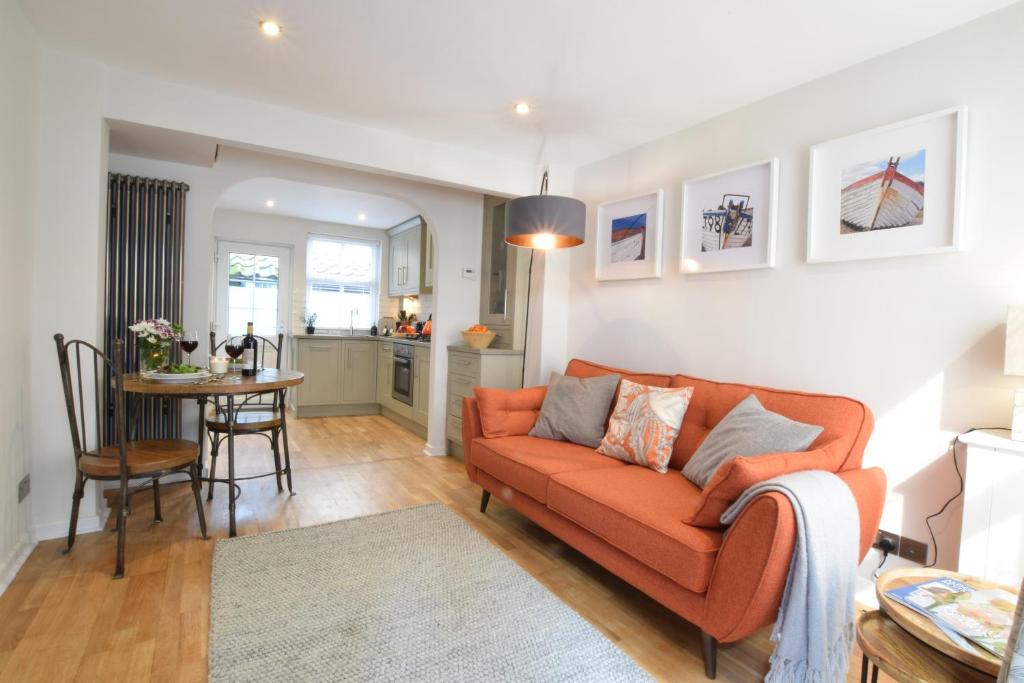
[485,498]
[709,651]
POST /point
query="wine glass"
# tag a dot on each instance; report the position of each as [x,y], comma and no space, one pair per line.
[189,342]
[233,346]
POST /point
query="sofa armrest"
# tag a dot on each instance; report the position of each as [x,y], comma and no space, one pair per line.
[471,429]
[868,488]
[753,563]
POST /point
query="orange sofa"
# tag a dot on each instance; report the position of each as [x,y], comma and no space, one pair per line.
[629,518]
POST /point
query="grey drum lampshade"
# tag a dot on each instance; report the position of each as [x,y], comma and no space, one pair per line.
[544,221]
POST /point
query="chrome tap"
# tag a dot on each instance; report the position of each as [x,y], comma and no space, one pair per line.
[351,324]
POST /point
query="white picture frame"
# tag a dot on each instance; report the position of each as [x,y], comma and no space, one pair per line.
[746,198]
[635,225]
[923,161]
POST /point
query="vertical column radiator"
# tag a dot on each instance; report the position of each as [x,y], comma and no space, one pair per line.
[145,259]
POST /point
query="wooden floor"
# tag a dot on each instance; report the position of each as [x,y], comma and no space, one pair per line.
[64,617]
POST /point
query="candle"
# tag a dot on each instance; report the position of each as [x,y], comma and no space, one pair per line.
[218,365]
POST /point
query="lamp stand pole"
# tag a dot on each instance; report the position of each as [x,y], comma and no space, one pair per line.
[526,320]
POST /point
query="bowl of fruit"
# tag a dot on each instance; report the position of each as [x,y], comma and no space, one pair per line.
[478,337]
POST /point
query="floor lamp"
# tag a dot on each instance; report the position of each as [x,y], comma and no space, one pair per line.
[543,221]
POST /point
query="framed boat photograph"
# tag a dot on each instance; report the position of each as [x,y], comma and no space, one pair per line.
[890,191]
[629,237]
[728,219]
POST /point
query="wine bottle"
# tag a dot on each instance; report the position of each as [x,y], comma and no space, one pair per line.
[248,352]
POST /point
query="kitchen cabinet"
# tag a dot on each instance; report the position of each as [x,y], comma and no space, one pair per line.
[503,282]
[421,386]
[359,371]
[354,376]
[340,376]
[385,359]
[468,368]
[404,258]
[427,261]
[320,362]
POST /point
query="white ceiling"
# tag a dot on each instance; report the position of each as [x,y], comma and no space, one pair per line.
[316,202]
[604,75]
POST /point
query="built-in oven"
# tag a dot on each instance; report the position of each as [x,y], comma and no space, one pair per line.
[401,383]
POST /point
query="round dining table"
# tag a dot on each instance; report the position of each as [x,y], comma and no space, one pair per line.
[237,390]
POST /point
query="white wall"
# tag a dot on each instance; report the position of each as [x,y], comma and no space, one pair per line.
[247,226]
[918,338]
[19,72]
[67,271]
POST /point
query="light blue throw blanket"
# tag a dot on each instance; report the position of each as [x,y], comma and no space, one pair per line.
[814,629]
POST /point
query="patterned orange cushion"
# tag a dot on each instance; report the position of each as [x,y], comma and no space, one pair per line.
[645,424]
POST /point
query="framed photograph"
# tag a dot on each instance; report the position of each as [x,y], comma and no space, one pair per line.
[629,237]
[891,191]
[728,219]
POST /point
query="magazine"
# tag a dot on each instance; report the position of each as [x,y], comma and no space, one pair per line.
[983,616]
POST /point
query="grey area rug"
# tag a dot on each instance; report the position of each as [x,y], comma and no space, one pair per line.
[409,595]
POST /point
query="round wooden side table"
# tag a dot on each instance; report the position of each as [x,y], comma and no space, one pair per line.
[923,628]
[890,648]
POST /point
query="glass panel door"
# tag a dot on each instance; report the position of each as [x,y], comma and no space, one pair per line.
[497,300]
[252,285]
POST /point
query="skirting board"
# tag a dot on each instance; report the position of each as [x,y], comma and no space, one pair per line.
[414,427]
[338,410]
[86,525]
[15,560]
[434,450]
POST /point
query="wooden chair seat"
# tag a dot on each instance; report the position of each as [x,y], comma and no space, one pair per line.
[247,421]
[144,458]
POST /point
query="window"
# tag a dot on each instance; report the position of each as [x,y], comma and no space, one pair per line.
[252,292]
[342,279]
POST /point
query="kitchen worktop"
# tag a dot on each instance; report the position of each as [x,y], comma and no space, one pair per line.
[485,352]
[363,337]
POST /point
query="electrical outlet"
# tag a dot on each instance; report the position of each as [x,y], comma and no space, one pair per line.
[894,539]
[24,487]
[912,550]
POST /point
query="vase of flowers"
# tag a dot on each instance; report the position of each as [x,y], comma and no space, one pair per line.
[154,338]
[310,320]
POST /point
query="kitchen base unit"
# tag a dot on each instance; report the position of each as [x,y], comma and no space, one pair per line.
[363,375]
[343,376]
[468,368]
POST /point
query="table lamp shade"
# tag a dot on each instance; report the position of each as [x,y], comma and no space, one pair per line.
[1014,358]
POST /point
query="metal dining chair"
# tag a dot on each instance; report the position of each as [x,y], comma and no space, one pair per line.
[99,436]
[264,416]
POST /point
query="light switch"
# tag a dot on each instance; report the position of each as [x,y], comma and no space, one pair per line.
[469,273]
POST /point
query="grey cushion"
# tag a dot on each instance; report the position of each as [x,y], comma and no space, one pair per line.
[748,429]
[575,409]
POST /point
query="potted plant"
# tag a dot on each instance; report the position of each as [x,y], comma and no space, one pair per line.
[310,321]
[154,337]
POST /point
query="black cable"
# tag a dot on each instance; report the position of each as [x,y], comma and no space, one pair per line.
[960,491]
[878,569]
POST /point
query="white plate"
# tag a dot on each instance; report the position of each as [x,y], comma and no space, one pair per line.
[176,378]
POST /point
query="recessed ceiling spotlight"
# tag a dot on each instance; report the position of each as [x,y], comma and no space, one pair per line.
[361,216]
[270,28]
[269,203]
[522,108]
